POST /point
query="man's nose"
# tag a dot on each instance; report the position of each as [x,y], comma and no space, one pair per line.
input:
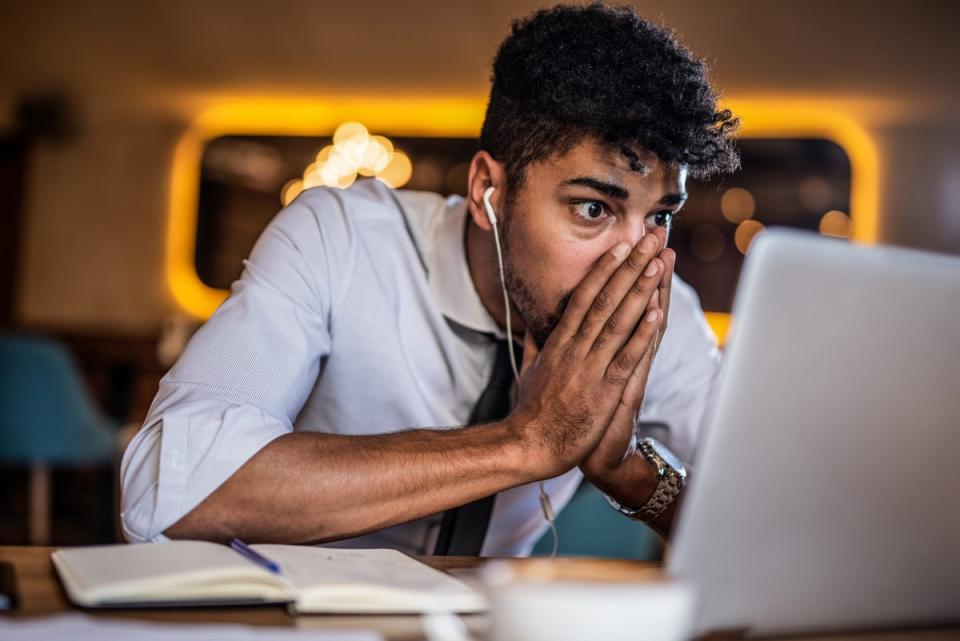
[634,233]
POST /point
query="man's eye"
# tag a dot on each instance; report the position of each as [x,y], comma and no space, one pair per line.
[662,219]
[590,209]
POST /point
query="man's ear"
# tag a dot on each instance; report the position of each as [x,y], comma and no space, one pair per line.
[485,172]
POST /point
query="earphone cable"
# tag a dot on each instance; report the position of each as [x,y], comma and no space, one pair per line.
[545,505]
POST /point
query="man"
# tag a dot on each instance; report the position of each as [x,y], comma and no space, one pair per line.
[329,398]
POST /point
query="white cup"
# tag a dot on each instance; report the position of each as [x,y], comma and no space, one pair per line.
[580,611]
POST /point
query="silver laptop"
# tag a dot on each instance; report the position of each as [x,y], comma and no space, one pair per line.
[826,493]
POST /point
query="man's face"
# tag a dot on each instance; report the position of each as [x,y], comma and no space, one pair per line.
[571,209]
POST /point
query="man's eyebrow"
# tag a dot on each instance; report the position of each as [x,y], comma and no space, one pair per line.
[604,187]
[673,199]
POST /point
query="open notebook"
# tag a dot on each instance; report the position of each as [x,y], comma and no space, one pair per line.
[312,579]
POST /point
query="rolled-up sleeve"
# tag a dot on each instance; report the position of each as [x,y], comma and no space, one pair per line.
[245,374]
[683,378]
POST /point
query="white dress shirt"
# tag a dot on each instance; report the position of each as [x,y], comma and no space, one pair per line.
[356,314]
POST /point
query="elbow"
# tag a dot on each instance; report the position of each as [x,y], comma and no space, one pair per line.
[194,526]
[235,509]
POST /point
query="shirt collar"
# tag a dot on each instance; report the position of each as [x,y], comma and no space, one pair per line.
[449,274]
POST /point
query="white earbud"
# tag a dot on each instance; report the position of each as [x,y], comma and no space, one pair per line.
[491,216]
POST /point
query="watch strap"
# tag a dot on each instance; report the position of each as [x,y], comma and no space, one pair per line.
[666,493]
[669,484]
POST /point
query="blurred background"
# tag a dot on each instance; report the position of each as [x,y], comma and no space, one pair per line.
[144,146]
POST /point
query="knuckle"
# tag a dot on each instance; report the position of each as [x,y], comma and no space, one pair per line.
[600,341]
[578,300]
[639,287]
[586,327]
[623,361]
[612,325]
[603,299]
[616,378]
[633,262]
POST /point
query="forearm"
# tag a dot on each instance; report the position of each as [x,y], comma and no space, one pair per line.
[320,487]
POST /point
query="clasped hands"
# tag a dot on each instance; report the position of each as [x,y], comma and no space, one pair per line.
[580,394]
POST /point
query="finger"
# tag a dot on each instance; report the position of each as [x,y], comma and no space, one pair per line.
[630,276]
[669,258]
[653,304]
[530,352]
[615,444]
[627,358]
[586,292]
[634,390]
[637,301]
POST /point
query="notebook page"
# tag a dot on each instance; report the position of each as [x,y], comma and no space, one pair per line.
[310,566]
[109,572]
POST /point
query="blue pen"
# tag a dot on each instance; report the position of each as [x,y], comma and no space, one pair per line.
[257,558]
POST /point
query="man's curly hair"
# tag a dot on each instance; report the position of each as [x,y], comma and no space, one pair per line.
[572,72]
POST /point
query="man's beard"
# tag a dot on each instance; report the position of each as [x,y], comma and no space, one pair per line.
[539,323]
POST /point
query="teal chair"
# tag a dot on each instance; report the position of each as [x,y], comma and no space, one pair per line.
[47,418]
[588,526]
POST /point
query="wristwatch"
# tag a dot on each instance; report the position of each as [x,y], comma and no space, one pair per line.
[671,475]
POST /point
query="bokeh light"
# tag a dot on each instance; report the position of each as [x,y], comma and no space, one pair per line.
[338,164]
[290,191]
[737,204]
[815,193]
[707,242]
[398,172]
[354,152]
[312,177]
[376,156]
[351,139]
[835,223]
[428,172]
[746,232]
[455,180]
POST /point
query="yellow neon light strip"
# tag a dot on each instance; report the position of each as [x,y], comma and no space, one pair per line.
[461,117]
[440,117]
[782,118]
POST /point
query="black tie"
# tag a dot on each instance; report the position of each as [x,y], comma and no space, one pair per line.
[464,528]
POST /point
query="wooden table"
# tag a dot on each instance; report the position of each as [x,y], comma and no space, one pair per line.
[41,594]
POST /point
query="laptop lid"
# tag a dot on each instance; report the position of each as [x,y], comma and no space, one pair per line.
[826,493]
